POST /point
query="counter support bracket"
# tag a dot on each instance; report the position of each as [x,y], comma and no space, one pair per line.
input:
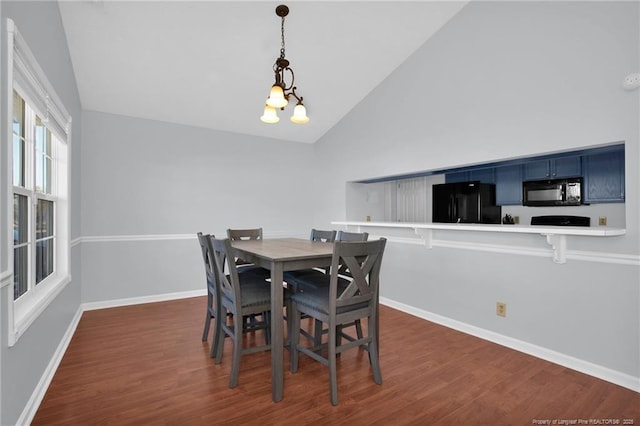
[559,244]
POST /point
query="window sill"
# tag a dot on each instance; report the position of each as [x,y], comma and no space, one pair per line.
[21,318]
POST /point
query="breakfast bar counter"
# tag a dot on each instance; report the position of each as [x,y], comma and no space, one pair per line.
[556,236]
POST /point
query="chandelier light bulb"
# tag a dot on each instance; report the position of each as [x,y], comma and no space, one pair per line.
[300,114]
[269,115]
[276,97]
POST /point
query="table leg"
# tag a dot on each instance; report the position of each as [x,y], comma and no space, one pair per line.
[277,333]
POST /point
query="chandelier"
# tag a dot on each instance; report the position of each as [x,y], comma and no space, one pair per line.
[281,92]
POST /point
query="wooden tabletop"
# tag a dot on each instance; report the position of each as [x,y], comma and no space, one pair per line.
[279,249]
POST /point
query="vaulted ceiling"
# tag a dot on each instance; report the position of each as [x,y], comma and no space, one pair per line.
[209,63]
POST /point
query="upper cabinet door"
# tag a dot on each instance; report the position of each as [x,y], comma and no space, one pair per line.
[484,175]
[456,177]
[509,185]
[556,168]
[487,175]
[604,177]
[566,167]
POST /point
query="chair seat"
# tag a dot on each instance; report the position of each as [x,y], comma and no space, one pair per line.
[255,270]
[298,280]
[310,279]
[255,291]
[318,300]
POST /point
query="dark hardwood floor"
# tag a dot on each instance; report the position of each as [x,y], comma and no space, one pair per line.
[146,364]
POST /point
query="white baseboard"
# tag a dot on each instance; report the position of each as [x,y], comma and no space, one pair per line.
[31,408]
[90,306]
[598,371]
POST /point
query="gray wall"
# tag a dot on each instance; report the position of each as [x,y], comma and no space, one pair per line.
[22,366]
[504,80]
[148,187]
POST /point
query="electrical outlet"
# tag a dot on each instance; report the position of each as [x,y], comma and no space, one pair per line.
[501,309]
[602,221]
[632,81]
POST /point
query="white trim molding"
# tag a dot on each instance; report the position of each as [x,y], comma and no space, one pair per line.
[167,237]
[122,238]
[40,390]
[91,306]
[6,278]
[598,371]
[27,78]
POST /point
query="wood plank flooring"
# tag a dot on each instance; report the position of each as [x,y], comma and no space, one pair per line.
[146,364]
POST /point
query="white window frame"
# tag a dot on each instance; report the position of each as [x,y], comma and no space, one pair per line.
[29,80]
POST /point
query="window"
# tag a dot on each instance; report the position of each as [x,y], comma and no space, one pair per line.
[34,198]
[38,151]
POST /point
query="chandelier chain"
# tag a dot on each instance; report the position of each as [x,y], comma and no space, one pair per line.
[282,38]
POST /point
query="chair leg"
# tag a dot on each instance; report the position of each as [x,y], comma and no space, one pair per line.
[220,334]
[359,329]
[218,337]
[293,316]
[331,358]
[373,351]
[207,319]
[266,318]
[289,340]
[237,350]
[207,322]
[317,333]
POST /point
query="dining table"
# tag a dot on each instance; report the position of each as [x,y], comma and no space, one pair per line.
[280,255]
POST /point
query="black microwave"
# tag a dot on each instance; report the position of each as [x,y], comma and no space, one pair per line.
[552,192]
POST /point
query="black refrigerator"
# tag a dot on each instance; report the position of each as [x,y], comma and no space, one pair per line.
[465,202]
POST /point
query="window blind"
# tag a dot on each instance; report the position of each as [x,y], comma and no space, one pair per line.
[35,87]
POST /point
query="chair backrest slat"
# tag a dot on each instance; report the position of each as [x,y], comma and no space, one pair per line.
[206,257]
[228,283]
[352,236]
[363,260]
[244,234]
[345,236]
[325,236]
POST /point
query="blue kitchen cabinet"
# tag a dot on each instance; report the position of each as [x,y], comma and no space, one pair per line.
[456,177]
[484,175]
[509,185]
[555,168]
[487,175]
[604,177]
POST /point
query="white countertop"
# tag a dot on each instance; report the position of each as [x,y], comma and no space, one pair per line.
[600,231]
[556,236]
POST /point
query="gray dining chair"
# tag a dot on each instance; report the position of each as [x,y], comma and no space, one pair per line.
[242,295]
[306,278]
[213,297]
[342,301]
[314,278]
[211,287]
[247,234]
[293,277]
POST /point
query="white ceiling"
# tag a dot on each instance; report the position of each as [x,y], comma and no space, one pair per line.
[209,63]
